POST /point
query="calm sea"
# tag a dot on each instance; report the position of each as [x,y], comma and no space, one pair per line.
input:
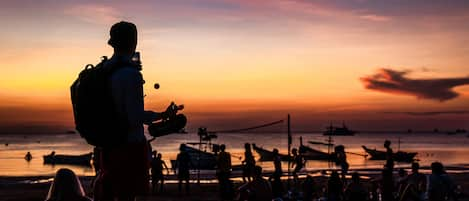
[449,149]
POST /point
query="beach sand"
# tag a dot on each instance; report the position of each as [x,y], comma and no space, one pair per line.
[11,190]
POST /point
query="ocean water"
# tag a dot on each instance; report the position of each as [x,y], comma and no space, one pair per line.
[452,150]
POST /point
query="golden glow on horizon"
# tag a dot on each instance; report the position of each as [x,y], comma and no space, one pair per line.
[303,56]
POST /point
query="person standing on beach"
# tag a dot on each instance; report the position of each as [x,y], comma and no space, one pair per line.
[298,164]
[389,156]
[183,163]
[248,164]
[125,168]
[277,187]
[224,172]
[341,160]
[157,165]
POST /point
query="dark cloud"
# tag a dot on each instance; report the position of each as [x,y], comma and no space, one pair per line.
[432,113]
[396,82]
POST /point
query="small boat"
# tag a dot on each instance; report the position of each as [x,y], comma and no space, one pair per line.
[399,156]
[83,160]
[266,155]
[338,131]
[202,160]
[309,153]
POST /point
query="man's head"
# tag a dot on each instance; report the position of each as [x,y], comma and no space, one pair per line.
[275,151]
[258,171]
[153,153]
[294,151]
[222,147]
[123,37]
[437,168]
[182,147]
[159,156]
[387,143]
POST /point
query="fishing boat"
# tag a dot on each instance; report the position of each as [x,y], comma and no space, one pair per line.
[399,156]
[200,159]
[266,155]
[309,153]
[339,131]
[82,160]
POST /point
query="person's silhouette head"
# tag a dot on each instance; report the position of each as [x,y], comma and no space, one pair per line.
[159,156]
[258,171]
[66,186]
[222,147]
[275,151]
[437,168]
[294,151]
[387,143]
[182,148]
[153,153]
[123,38]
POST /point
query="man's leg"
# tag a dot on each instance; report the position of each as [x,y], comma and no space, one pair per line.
[161,184]
[187,185]
[180,185]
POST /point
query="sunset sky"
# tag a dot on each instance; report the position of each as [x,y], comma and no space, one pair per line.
[375,64]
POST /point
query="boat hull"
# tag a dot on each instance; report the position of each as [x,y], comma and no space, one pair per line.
[399,156]
[201,160]
[265,155]
[83,160]
[313,154]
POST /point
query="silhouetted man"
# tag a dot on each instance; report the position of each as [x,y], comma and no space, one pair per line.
[125,168]
[224,172]
[275,179]
[298,164]
[389,156]
[183,164]
[157,165]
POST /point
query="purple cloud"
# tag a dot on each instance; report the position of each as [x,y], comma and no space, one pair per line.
[396,82]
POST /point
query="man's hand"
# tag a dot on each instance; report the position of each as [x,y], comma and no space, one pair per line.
[172,110]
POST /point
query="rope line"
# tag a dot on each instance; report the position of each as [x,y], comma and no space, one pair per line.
[249,128]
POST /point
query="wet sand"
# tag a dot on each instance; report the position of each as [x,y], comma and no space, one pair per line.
[12,188]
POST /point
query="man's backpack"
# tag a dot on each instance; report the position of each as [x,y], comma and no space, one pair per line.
[95,114]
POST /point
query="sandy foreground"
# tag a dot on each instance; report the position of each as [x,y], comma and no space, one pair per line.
[13,190]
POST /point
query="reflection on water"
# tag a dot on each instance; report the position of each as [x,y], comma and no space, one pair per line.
[449,149]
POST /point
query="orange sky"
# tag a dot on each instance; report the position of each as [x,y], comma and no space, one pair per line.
[236,62]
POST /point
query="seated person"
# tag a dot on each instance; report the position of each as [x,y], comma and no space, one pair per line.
[258,189]
[66,187]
